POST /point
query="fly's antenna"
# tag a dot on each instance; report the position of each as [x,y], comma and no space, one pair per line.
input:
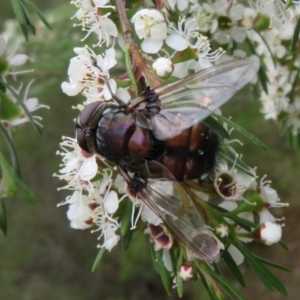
[106,80]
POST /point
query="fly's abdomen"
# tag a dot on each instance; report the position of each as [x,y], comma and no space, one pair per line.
[191,154]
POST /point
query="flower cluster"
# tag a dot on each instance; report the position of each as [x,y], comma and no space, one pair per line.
[199,220]
[14,109]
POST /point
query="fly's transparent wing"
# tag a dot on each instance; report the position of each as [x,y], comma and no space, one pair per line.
[193,98]
[168,199]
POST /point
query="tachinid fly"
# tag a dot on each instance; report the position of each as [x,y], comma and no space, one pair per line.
[157,141]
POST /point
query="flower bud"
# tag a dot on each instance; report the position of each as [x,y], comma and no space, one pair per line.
[262,22]
[160,235]
[222,230]
[186,272]
[163,67]
[268,233]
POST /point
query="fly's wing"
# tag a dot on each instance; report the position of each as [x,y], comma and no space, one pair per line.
[168,199]
[193,98]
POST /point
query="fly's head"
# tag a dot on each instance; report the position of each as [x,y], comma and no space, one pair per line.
[86,125]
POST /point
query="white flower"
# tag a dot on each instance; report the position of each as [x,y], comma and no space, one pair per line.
[276,100]
[270,199]
[77,164]
[11,59]
[150,26]
[293,118]
[187,35]
[180,4]
[230,184]
[31,104]
[92,21]
[79,212]
[88,72]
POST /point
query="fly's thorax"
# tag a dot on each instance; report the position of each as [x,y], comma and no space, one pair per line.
[119,139]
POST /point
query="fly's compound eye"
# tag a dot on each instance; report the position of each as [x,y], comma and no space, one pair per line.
[86,121]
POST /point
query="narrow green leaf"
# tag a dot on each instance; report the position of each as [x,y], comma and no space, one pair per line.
[233,268]
[25,31]
[243,131]
[127,239]
[216,127]
[273,264]
[153,256]
[17,7]
[212,295]
[263,78]
[288,4]
[39,13]
[12,151]
[179,286]
[295,36]
[98,259]
[283,245]
[8,186]
[8,109]
[129,69]
[125,218]
[6,168]
[267,277]
[163,272]
[228,287]
[3,218]
[29,21]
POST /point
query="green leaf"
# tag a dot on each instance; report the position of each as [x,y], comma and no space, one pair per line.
[12,151]
[12,180]
[233,292]
[29,21]
[295,36]
[129,69]
[283,245]
[216,127]
[272,264]
[153,256]
[125,217]
[233,268]
[127,239]
[288,4]
[243,131]
[268,278]
[163,272]
[8,186]
[39,13]
[263,78]
[211,293]
[3,218]
[8,109]
[98,259]
[4,65]
[17,7]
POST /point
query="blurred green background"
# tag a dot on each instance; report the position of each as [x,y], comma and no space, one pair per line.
[43,258]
